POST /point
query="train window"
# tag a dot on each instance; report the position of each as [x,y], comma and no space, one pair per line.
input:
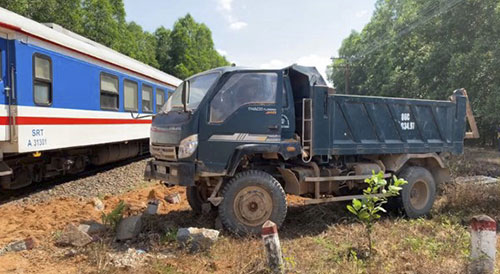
[42,80]
[147,98]
[109,91]
[130,95]
[160,99]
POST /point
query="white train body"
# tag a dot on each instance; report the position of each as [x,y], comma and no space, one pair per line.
[67,101]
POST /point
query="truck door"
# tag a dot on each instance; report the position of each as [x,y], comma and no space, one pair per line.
[245,108]
[288,110]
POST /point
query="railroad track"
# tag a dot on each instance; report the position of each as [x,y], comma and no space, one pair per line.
[11,195]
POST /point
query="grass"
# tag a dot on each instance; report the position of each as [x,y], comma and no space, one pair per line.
[325,239]
[157,267]
[97,256]
[321,239]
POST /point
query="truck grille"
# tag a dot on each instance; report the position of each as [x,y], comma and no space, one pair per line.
[164,152]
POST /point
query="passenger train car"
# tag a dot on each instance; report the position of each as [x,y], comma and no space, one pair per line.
[67,102]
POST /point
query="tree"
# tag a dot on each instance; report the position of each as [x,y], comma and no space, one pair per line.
[163,43]
[100,22]
[427,49]
[19,6]
[184,51]
[141,45]
[191,49]
[67,13]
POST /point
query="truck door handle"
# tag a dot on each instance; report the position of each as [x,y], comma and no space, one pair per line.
[273,127]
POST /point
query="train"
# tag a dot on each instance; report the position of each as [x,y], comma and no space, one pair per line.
[69,102]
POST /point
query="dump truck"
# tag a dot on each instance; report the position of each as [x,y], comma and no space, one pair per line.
[240,139]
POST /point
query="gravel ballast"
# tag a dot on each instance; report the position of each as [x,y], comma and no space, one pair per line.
[108,182]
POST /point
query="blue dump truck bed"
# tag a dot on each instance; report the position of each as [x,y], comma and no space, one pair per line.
[351,125]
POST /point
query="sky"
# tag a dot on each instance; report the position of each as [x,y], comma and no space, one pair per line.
[264,33]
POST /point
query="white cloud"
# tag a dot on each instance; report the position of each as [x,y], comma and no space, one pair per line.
[361,13]
[225,4]
[225,7]
[222,52]
[237,25]
[274,64]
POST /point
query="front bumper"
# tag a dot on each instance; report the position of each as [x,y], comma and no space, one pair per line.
[176,173]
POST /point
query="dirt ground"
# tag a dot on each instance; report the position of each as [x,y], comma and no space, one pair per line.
[315,239]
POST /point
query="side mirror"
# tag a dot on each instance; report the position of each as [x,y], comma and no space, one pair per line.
[185,95]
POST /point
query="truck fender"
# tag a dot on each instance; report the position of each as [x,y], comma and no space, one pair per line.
[431,161]
[249,149]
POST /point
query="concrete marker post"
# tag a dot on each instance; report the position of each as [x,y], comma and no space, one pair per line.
[152,208]
[483,245]
[273,248]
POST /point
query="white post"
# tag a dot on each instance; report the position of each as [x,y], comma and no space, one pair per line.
[152,206]
[273,248]
[483,245]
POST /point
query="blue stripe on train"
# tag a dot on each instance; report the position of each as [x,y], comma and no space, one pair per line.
[75,82]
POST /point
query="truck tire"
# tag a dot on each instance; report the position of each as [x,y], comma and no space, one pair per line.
[195,198]
[417,197]
[250,199]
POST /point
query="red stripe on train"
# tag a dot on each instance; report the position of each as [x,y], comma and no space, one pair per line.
[24,120]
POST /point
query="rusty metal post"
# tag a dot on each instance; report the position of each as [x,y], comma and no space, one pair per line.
[273,247]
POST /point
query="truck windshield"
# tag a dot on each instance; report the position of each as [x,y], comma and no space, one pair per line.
[198,87]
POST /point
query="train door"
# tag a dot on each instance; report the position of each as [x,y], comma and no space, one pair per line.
[3,61]
[8,108]
[4,106]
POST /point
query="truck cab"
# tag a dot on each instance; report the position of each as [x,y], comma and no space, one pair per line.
[229,112]
[239,139]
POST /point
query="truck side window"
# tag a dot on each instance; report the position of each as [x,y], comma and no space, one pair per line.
[284,98]
[243,89]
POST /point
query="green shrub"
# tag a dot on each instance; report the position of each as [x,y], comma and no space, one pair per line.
[367,210]
[115,216]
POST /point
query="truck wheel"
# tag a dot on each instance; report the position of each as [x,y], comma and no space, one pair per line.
[196,197]
[419,194]
[250,199]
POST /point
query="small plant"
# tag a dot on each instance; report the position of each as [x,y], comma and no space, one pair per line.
[289,261]
[169,236]
[161,268]
[57,235]
[115,216]
[367,210]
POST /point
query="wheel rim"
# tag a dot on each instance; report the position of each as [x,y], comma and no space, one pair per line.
[419,195]
[253,206]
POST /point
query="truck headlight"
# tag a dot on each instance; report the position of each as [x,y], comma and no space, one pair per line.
[188,146]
